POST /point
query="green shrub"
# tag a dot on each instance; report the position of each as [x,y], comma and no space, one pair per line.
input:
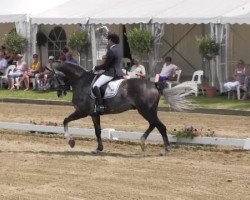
[41,38]
[208,47]
[79,41]
[15,42]
[140,41]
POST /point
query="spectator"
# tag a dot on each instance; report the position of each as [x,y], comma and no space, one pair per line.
[18,71]
[65,50]
[3,63]
[44,76]
[32,72]
[9,56]
[246,85]
[137,70]
[69,58]
[238,78]
[167,72]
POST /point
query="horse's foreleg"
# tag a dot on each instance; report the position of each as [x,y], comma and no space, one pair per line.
[74,116]
[145,135]
[97,125]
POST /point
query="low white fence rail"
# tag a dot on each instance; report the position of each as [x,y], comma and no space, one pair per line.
[116,135]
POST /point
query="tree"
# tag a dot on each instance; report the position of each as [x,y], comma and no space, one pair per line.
[140,42]
[15,42]
[208,49]
[79,42]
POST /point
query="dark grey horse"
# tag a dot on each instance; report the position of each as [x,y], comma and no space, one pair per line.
[140,94]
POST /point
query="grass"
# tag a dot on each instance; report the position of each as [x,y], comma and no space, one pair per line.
[218,102]
[20,94]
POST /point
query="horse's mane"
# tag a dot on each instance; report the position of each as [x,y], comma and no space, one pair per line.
[71,69]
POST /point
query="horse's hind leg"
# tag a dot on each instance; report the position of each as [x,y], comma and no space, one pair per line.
[97,125]
[74,116]
[152,118]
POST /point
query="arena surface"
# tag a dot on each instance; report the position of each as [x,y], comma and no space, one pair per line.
[39,166]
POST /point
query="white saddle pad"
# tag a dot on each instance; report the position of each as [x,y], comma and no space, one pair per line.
[111,90]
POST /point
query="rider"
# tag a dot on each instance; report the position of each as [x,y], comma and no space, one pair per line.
[111,66]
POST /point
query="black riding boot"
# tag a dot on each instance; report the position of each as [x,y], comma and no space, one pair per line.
[99,102]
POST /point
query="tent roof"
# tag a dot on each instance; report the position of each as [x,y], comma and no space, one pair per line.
[18,10]
[145,11]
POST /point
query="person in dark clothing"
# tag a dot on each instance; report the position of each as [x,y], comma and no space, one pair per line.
[111,66]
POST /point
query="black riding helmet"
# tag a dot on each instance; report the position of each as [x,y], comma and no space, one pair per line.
[114,38]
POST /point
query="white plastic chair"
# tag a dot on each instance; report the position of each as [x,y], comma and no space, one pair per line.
[195,82]
[197,79]
[170,83]
[4,77]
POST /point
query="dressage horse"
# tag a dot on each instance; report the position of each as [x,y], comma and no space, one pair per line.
[140,94]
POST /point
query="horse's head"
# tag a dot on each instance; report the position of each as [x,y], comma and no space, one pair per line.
[68,74]
[60,81]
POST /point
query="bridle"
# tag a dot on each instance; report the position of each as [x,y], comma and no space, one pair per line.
[60,85]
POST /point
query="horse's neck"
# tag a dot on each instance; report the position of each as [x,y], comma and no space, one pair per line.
[83,82]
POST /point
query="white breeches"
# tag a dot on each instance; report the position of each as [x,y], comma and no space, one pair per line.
[231,85]
[102,80]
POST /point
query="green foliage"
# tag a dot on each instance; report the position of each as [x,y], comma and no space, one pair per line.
[79,41]
[140,41]
[33,94]
[186,133]
[15,42]
[208,47]
[41,38]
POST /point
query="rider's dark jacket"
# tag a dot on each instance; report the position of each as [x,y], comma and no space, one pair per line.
[112,65]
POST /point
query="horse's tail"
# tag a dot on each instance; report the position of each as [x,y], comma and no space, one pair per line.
[176,97]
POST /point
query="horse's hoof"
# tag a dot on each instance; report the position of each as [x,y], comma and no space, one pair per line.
[143,145]
[164,152]
[96,151]
[71,143]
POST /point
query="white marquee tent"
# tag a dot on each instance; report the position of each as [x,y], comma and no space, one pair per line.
[146,11]
[28,14]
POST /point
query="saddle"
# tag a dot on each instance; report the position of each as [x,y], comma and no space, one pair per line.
[109,89]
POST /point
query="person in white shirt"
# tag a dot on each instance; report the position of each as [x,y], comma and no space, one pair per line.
[167,72]
[137,70]
[3,63]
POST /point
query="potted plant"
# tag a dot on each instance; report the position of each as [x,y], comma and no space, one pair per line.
[208,49]
[140,42]
[41,40]
[15,42]
[79,42]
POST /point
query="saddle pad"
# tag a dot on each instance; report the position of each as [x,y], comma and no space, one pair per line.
[111,90]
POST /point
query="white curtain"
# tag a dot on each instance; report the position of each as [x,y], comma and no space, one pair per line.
[28,31]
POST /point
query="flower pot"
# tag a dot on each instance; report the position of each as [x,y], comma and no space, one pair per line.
[211,91]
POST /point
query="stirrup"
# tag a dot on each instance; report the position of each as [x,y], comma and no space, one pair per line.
[100,109]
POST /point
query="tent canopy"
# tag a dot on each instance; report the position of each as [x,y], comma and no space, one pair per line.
[146,11]
[18,10]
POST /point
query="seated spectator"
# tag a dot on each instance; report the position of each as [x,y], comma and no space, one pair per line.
[69,58]
[45,75]
[3,63]
[9,56]
[167,72]
[18,71]
[137,70]
[31,72]
[238,78]
[246,85]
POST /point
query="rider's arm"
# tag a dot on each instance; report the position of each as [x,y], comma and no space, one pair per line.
[107,63]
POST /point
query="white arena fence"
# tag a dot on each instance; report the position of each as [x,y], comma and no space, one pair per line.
[112,134]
